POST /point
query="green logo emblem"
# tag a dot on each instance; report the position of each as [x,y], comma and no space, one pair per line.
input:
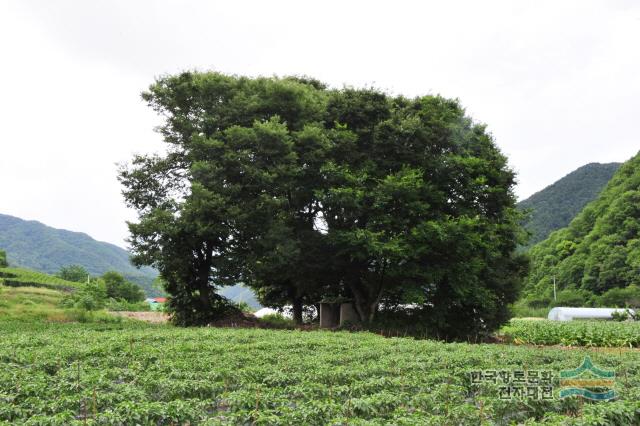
[588,381]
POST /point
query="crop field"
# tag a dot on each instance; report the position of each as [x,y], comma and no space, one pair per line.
[132,373]
[574,333]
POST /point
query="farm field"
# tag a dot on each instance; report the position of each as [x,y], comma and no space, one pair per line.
[574,333]
[156,374]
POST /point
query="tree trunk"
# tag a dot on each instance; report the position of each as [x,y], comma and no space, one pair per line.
[366,300]
[297,310]
[361,303]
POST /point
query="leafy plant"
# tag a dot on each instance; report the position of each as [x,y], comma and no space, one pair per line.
[573,333]
[113,373]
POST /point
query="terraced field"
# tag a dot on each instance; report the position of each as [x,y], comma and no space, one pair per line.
[18,277]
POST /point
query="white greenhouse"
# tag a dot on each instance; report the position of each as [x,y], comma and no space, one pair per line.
[568,314]
[268,311]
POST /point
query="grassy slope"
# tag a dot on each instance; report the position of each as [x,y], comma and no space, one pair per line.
[29,296]
[30,304]
[25,277]
[164,375]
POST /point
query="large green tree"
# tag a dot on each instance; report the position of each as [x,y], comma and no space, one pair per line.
[117,287]
[74,273]
[419,207]
[228,201]
[302,193]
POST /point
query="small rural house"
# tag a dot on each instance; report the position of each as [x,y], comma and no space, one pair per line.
[156,303]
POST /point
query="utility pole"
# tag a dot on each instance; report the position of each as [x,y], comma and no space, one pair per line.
[554,289]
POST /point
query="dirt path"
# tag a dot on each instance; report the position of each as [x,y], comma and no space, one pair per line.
[152,317]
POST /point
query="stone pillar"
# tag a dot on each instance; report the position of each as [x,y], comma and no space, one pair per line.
[329,315]
[348,314]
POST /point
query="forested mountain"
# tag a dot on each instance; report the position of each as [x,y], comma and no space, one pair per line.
[555,206]
[33,245]
[599,252]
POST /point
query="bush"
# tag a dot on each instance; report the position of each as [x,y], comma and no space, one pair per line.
[277,321]
[3,259]
[75,273]
[521,309]
[621,297]
[244,307]
[119,288]
[90,297]
[574,298]
[117,305]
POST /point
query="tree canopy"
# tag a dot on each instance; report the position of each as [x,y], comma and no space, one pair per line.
[307,194]
[117,287]
[598,254]
[75,273]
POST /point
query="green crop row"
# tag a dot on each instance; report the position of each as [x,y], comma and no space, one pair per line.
[160,375]
[17,277]
[574,333]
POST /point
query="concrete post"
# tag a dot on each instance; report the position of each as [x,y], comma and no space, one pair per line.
[329,315]
[348,314]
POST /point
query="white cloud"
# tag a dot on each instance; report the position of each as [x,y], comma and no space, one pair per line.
[555,81]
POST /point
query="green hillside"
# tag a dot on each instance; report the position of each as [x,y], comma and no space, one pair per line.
[33,245]
[28,295]
[598,254]
[555,206]
[19,277]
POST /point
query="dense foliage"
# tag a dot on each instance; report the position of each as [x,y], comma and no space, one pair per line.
[305,194]
[598,254]
[556,205]
[3,259]
[137,374]
[117,287]
[110,291]
[32,245]
[75,273]
[574,333]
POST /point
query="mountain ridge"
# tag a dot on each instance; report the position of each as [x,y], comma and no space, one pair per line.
[598,252]
[554,206]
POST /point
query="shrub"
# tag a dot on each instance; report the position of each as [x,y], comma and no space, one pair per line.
[90,297]
[123,305]
[119,288]
[75,273]
[3,259]
[574,297]
[621,297]
[277,321]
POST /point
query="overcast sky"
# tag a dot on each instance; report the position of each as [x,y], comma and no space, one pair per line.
[557,82]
